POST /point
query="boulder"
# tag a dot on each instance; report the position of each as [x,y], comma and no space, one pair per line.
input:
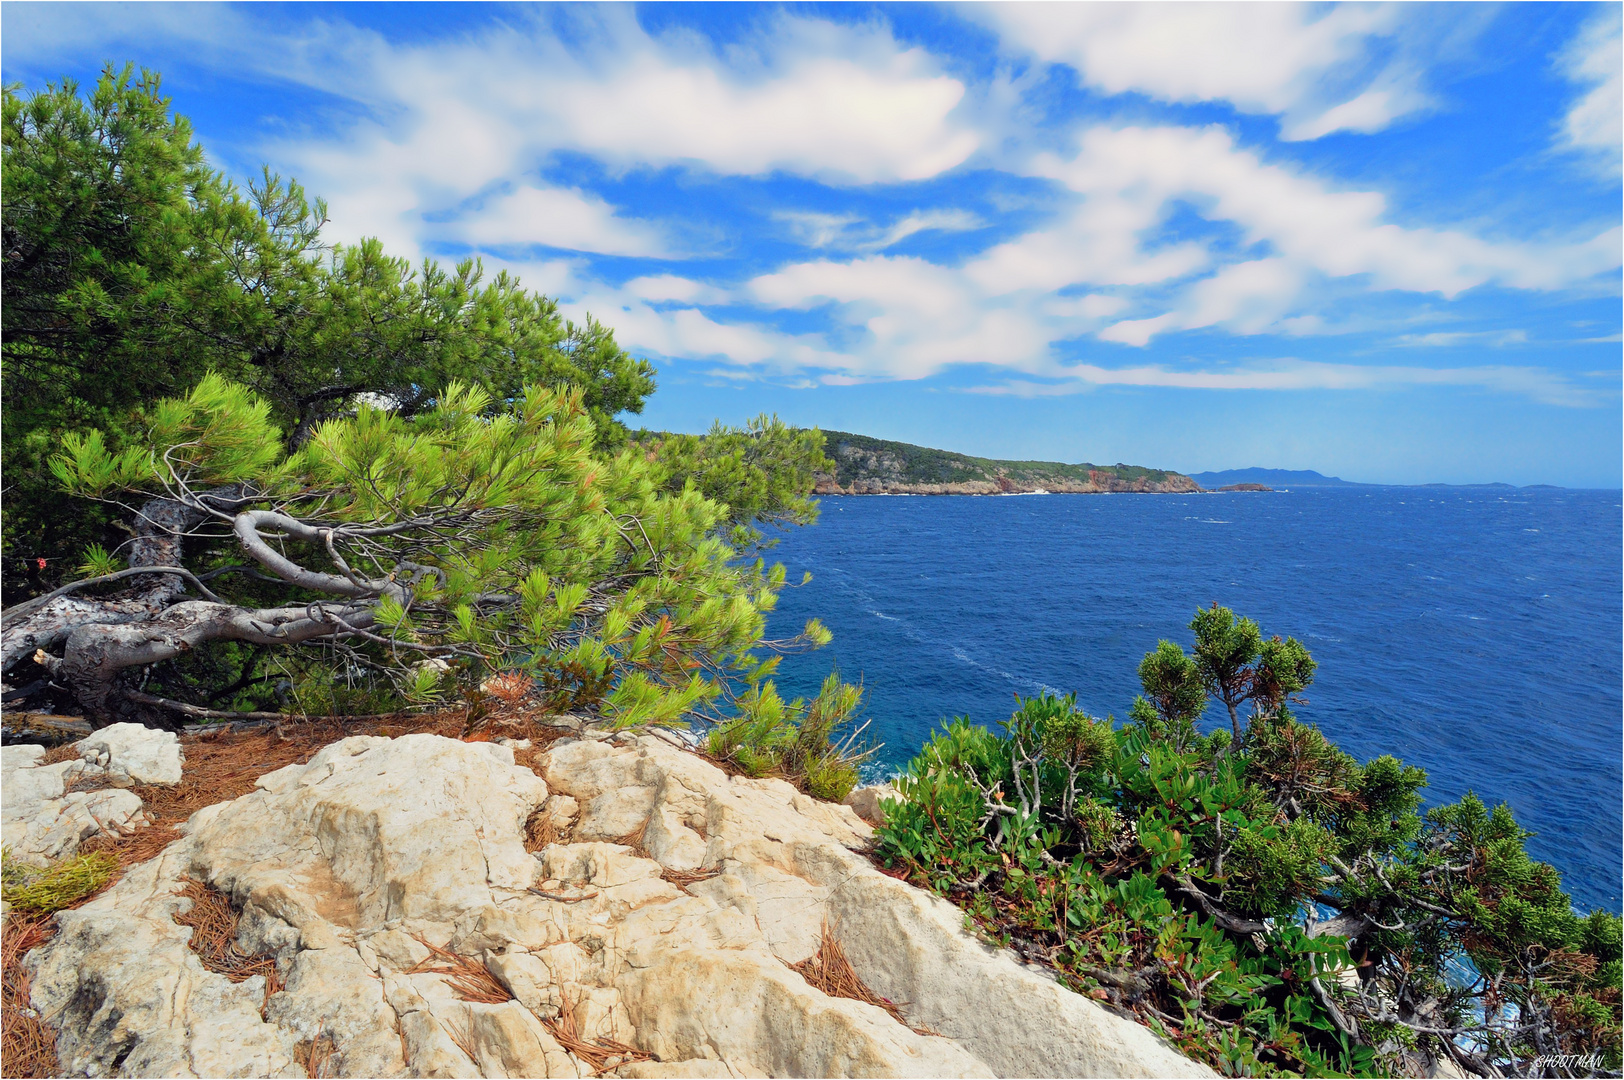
[386,873]
[867,801]
[134,754]
[41,820]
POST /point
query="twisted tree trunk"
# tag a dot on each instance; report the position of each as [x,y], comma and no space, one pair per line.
[101,639]
[160,528]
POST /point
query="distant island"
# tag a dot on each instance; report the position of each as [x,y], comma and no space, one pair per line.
[1271,477]
[865,465]
[1228,479]
[868,466]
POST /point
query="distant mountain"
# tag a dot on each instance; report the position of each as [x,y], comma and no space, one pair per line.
[1305,478]
[869,466]
[1271,477]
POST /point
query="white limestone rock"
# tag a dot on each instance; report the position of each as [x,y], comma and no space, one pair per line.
[42,821]
[866,802]
[350,868]
[134,754]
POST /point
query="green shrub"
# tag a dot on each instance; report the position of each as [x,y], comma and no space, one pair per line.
[1205,915]
[805,742]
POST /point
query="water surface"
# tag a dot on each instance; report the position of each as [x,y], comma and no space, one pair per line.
[1473,632]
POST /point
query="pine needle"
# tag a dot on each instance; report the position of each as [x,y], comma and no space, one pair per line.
[831,972]
[27,1043]
[468,979]
[214,932]
[600,1054]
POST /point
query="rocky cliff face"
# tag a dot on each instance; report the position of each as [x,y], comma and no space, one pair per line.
[431,907]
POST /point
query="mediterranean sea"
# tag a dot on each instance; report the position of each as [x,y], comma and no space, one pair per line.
[1475,632]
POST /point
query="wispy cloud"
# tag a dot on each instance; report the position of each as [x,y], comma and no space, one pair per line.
[1010,305]
[1298,375]
[1454,338]
[1313,65]
[853,232]
[565,218]
[846,104]
[1595,123]
[862,251]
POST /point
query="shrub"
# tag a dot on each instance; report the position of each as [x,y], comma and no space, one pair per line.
[803,741]
[1189,879]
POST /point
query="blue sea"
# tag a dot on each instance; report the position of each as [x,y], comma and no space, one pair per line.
[1473,632]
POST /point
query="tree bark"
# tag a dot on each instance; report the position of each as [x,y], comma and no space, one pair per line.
[1228,920]
[94,656]
[101,639]
[161,525]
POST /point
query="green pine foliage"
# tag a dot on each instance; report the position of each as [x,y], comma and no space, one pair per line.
[763,472]
[52,888]
[131,269]
[163,327]
[519,546]
[811,743]
[1193,879]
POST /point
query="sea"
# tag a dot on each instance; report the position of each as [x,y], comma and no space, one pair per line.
[1475,632]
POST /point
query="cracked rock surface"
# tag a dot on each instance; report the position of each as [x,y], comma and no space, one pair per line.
[349,868]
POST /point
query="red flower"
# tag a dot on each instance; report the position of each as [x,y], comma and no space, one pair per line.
[40,561]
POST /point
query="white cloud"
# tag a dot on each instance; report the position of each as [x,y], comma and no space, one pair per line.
[1453,338]
[878,112]
[450,121]
[689,333]
[1309,64]
[551,277]
[818,230]
[557,217]
[852,232]
[1595,123]
[928,221]
[1302,242]
[911,317]
[452,140]
[1298,375]
[38,33]
[1305,232]
[669,287]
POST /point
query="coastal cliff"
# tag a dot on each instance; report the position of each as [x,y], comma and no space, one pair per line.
[868,466]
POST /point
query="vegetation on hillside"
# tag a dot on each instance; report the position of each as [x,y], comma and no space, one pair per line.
[859,457]
[1270,904]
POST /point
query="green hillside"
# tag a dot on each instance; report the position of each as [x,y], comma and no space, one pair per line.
[860,457]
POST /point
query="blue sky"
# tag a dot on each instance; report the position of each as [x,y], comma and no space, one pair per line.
[1380,241]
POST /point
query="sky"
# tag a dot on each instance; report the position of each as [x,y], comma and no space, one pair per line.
[1380,241]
